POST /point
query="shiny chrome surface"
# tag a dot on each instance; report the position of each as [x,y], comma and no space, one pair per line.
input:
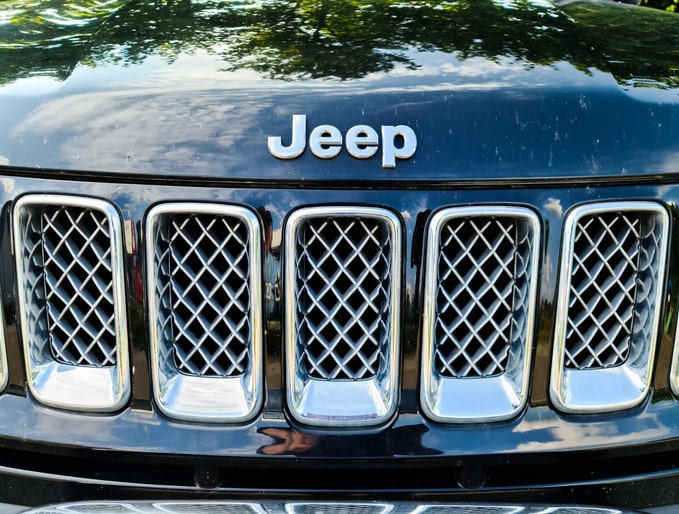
[74,325]
[204,285]
[610,300]
[3,356]
[362,142]
[342,288]
[347,507]
[481,267]
[674,369]
[340,508]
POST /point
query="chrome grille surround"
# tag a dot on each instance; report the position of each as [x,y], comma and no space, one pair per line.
[674,369]
[69,261]
[619,282]
[204,282]
[342,314]
[4,378]
[480,292]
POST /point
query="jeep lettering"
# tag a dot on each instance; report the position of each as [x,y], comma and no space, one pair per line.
[362,142]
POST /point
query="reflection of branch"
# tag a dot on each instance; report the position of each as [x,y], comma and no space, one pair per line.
[407,440]
[321,39]
[322,14]
[290,441]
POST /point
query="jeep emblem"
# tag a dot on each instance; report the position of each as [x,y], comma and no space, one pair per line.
[361,141]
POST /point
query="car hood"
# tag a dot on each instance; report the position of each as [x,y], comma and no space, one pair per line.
[493,90]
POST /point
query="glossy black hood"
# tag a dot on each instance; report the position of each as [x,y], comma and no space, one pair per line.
[491,89]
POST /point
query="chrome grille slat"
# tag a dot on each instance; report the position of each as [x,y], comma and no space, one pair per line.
[480,288]
[342,314]
[204,280]
[343,279]
[78,281]
[208,284]
[608,309]
[71,296]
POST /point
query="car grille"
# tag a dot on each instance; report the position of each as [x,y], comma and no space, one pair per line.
[342,268]
[479,297]
[342,314]
[68,252]
[613,265]
[204,265]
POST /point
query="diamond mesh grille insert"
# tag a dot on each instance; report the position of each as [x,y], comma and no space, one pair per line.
[482,269]
[338,508]
[207,508]
[612,253]
[479,509]
[77,273]
[343,287]
[204,283]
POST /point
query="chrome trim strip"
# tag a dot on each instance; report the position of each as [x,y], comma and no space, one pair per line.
[4,372]
[478,399]
[205,398]
[66,386]
[341,402]
[323,507]
[674,368]
[582,391]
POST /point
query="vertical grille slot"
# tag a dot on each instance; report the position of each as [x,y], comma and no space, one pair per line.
[475,298]
[342,281]
[208,285]
[204,283]
[479,295]
[605,282]
[612,268]
[71,299]
[77,272]
[343,285]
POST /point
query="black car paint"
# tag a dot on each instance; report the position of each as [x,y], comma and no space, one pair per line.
[503,124]
[522,90]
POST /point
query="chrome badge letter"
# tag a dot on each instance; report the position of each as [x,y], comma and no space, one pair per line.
[362,142]
[298,144]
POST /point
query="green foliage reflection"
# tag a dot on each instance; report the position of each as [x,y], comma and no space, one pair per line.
[336,39]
